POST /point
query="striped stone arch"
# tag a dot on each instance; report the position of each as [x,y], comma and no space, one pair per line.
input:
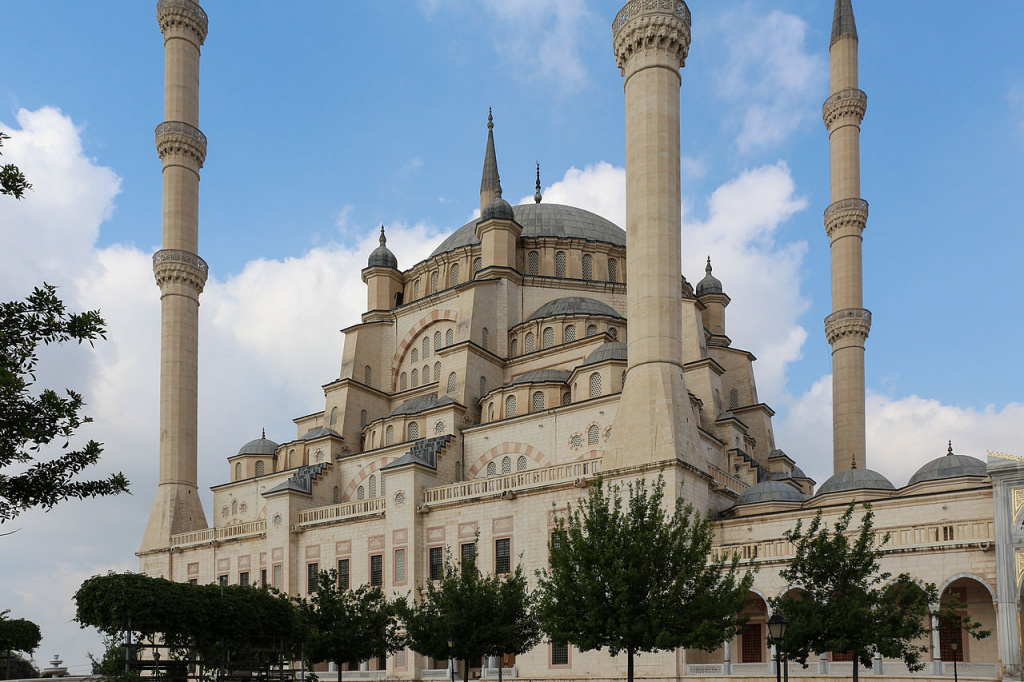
[589,454]
[973,576]
[406,345]
[787,589]
[507,448]
[364,473]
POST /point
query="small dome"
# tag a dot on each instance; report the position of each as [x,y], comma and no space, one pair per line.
[320,432]
[855,479]
[499,209]
[770,491]
[542,376]
[949,466]
[710,284]
[573,305]
[422,403]
[613,350]
[382,256]
[260,446]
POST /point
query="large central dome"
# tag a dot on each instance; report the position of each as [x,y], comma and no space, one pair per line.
[545,220]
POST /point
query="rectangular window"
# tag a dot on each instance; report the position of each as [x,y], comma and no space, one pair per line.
[222,580]
[400,565]
[436,563]
[468,553]
[947,533]
[400,659]
[751,643]
[950,631]
[243,578]
[376,570]
[278,577]
[312,570]
[559,654]
[503,556]
[263,577]
[343,581]
[193,581]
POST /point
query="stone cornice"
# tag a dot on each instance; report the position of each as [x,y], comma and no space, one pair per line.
[652,24]
[175,266]
[183,14]
[177,141]
[849,102]
[854,322]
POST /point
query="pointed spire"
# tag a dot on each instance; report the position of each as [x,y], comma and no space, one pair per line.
[950,450]
[538,196]
[490,183]
[842,21]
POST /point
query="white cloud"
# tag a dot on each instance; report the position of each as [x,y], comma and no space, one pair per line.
[599,188]
[768,74]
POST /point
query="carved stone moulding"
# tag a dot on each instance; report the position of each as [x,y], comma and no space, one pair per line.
[184,14]
[652,24]
[846,214]
[849,102]
[180,138]
[848,322]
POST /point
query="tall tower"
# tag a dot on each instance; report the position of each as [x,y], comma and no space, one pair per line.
[655,421]
[848,326]
[180,274]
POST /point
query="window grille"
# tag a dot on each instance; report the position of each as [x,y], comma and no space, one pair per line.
[373,487]
[468,553]
[234,506]
[436,563]
[492,469]
[623,378]
[538,401]
[403,382]
[514,349]
[503,556]
[376,570]
[426,375]
[437,371]
[367,374]
[311,572]
[521,463]
[947,533]
[529,342]
[278,576]
[437,340]
[263,578]
[510,406]
[595,385]
[451,382]
[416,289]
[415,355]
[389,435]
[734,398]
[751,643]
[439,427]
[433,282]
[400,565]
[533,263]
[591,329]
[415,378]
[483,386]
[548,338]
[454,274]
[449,337]
[613,270]
[291,459]
[569,334]
[400,498]
[383,492]
[261,468]
[588,266]
[593,435]
[613,332]
[426,347]
[560,264]
[414,431]
[238,471]
[566,398]
[458,471]
[559,654]
[483,338]
[576,441]
[400,657]
[362,418]
[334,416]
[360,493]
[506,465]
[478,265]
[335,495]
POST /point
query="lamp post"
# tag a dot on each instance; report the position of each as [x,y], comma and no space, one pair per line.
[451,658]
[777,631]
[954,646]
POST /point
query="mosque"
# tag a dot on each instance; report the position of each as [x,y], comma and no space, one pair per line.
[536,349]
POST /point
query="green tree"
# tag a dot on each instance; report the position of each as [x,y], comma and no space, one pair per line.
[511,625]
[28,422]
[12,180]
[847,604]
[633,577]
[17,635]
[345,625]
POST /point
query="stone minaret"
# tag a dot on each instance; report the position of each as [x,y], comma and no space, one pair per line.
[180,274]
[655,421]
[848,325]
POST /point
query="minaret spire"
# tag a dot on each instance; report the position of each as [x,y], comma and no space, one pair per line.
[490,182]
[537,195]
[845,219]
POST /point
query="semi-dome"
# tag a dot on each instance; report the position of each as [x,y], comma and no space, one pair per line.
[573,305]
[710,283]
[612,350]
[770,491]
[382,256]
[855,479]
[545,220]
[320,432]
[499,209]
[949,466]
[541,376]
[259,446]
[422,403]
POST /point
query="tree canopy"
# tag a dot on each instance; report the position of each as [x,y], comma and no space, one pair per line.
[29,422]
[630,576]
[17,635]
[12,180]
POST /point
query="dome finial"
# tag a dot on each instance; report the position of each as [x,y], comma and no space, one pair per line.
[707,268]
[853,461]
[538,196]
[950,450]
[490,119]
[383,240]
[264,434]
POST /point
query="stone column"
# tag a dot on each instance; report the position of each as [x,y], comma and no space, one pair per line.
[655,421]
[848,326]
[180,274]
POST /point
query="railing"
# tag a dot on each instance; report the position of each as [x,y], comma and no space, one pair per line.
[635,7]
[705,669]
[342,512]
[854,204]
[524,480]
[972,669]
[195,537]
[435,674]
[489,673]
[727,480]
[233,532]
[840,668]
[849,313]
[179,256]
[753,668]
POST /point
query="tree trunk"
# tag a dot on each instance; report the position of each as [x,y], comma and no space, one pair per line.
[501,663]
[465,670]
[629,664]
[856,668]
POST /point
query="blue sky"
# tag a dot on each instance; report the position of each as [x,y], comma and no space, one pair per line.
[327,119]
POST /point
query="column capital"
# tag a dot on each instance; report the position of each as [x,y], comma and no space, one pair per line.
[182,140]
[177,267]
[659,25]
[183,15]
[849,322]
[847,103]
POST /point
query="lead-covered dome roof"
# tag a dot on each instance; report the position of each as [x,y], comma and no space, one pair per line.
[259,446]
[612,350]
[855,479]
[382,256]
[542,376]
[573,305]
[770,491]
[545,220]
[949,466]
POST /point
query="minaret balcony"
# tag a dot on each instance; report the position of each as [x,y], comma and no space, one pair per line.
[849,322]
[846,216]
[847,103]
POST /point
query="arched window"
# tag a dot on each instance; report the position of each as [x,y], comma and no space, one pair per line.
[588,266]
[529,342]
[538,401]
[426,375]
[567,398]
[451,382]
[439,427]
[483,338]
[437,341]
[362,418]
[569,334]
[506,465]
[389,435]
[416,289]
[623,378]
[414,431]
[533,263]
[458,471]
[454,274]
[734,398]
[415,378]
[291,459]
[613,270]
[478,265]
[373,487]
[382,491]
[238,471]
[367,375]
[403,381]
[560,264]
[335,495]
[613,332]
[510,406]
[437,371]
[483,386]
[490,411]
[426,347]
[234,506]
[415,355]
[593,435]
[261,468]
[334,416]
[492,469]
[360,493]
[548,337]
[591,329]
[433,282]
[521,463]
[514,348]
[449,337]
[595,385]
